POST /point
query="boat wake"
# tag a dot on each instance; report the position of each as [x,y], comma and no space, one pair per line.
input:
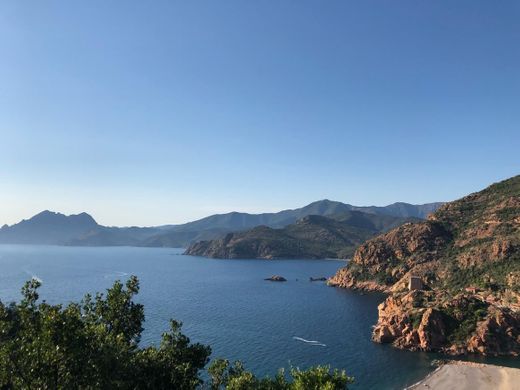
[116,274]
[33,276]
[36,278]
[311,342]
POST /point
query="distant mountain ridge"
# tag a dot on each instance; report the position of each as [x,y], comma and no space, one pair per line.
[82,230]
[311,237]
[47,227]
[51,228]
[215,226]
[239,221]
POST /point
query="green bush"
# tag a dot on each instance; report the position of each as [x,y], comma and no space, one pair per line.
[235,377]
[462,323]
[415,319]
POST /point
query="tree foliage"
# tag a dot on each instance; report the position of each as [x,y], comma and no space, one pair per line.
[91,344]
[234,377]
[94,344]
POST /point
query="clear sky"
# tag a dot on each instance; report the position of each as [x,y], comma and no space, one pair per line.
[155,112]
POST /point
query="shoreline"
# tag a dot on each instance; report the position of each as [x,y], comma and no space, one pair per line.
[462,375]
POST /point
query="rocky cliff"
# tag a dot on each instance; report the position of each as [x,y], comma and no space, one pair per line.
[460,324]
[468,258]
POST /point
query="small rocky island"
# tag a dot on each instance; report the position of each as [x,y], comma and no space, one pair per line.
[276,278]
[453,281]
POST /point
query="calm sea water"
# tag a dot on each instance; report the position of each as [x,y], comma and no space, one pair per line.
[227,304]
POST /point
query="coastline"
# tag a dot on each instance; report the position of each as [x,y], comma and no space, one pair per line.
[462,375]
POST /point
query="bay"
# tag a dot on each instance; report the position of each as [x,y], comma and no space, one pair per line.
[228,305]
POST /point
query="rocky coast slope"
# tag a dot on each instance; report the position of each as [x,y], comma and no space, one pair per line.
[465,264]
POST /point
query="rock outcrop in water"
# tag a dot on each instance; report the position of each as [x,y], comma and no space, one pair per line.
[468,258]
[276,278]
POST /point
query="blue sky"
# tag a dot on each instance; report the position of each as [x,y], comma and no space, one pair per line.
[162,112]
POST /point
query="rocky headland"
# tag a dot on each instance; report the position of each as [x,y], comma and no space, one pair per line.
[466,261]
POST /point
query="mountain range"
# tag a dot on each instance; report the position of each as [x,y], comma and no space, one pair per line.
[81,229]
[216,226]
[313,236]
[51,228]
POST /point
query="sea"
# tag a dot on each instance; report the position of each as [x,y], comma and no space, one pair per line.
[228,305]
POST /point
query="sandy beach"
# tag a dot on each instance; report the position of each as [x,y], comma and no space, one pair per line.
[458,375]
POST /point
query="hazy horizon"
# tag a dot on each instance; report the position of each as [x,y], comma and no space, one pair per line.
[152,114]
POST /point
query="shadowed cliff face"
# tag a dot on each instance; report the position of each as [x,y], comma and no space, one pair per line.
[468,249]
